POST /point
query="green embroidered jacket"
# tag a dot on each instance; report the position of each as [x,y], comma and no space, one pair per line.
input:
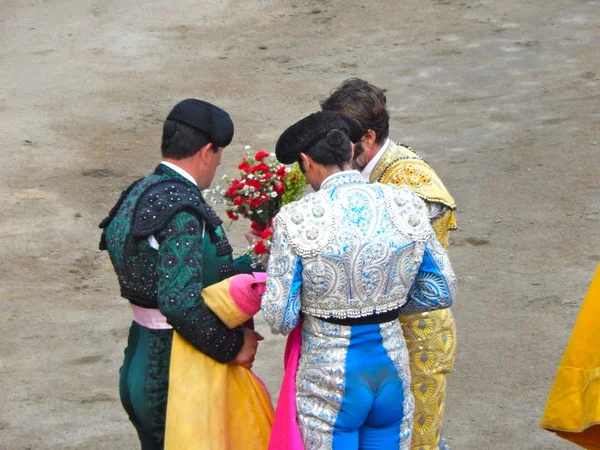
[193,253]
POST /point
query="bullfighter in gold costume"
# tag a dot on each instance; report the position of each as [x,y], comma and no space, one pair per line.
[430,336]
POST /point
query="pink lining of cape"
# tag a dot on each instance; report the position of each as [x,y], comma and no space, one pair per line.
[246,291]
[286,434]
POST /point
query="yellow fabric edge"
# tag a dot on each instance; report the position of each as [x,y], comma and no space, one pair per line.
[219,301]
[573,407]
[214,406]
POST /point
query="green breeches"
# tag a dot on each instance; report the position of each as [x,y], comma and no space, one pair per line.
[144,383]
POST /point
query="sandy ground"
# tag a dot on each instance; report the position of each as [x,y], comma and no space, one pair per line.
[501,97]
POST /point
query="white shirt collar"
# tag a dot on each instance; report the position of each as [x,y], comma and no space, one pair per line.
[180,171]
[366,172]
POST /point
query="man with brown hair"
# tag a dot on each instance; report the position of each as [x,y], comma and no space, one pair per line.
[430,336]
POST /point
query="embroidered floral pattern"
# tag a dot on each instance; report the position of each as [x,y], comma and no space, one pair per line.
[179,292]
[158,380]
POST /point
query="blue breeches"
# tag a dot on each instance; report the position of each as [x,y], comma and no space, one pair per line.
[353,387]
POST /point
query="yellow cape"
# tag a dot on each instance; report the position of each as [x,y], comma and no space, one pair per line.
[573,408]
[214,406]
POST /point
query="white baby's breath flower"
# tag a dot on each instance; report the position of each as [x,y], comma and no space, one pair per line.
[247,147]
[250,176]
[259,211]
[273,194]
[287,169]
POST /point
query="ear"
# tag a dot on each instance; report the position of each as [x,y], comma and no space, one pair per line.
[203,152]
[306,161]
[369,138]
[352,152]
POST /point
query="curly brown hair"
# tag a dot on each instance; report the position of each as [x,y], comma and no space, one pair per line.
[363,102]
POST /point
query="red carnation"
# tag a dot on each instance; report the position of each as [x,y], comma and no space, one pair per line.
[244,167]
[254,183]
[232,216]
[255,204]
[281,171]
[260,248]
[231,191]
[238,201]
[256,226]
[260,155]
[262,167]
[266,234]
[279,189]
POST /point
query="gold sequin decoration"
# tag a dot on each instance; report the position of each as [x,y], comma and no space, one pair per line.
[431,342]
[442,225]
[421,328]
[402,167]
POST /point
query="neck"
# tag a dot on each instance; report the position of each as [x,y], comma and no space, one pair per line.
[186,165]
[335,169]
[374,150]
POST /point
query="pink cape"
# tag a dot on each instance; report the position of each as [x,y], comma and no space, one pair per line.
[286,434]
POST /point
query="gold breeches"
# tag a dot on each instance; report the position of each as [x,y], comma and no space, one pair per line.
[431,341]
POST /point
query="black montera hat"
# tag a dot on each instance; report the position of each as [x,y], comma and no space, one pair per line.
[303,134]
[210,119]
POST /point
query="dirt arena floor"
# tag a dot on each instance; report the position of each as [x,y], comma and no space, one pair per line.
[501,97]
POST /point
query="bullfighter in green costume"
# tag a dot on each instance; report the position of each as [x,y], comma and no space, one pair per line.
[166,244]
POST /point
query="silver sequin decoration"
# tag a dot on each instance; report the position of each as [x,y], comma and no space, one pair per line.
[359,258]
[395,347]
[320,380]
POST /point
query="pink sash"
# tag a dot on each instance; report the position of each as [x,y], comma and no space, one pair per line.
[286,434]
[150,318]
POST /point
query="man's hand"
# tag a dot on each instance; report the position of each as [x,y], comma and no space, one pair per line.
[247,354]
[252,237]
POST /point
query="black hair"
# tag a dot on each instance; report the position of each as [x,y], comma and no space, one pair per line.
[180,141]
[311,133]
[335,149]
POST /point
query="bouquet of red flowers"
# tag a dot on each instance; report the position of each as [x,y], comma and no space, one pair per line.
[262,188]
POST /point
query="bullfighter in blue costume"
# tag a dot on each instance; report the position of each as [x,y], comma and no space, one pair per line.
[344,261]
